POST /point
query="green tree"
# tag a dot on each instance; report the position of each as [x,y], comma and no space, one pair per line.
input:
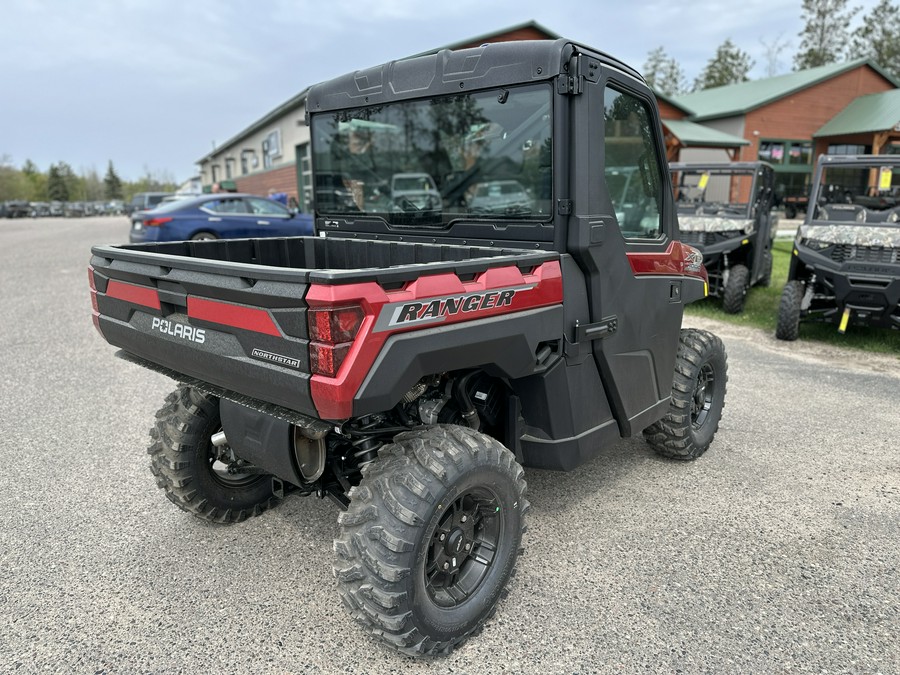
[878,38]
[112,183]
[74,185]
[13,184]
[730,65]
[92,186]
[37,182]
[57,186]
[825,37]
[663,73]
[773,49]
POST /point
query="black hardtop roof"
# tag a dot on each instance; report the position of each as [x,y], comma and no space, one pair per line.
[859,160]
[718,167]
[453,71]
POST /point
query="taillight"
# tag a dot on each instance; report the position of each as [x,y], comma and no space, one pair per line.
[156,222]
[331,332]
[95,308]
[334,324]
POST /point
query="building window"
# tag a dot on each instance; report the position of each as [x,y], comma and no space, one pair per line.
[786,153]
[271,148]
[305,175]
[229,168]
[771,151]
[800,153]
[848,149]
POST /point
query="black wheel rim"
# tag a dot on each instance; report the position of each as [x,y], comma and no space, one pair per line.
[704,390]
[224,471]
[463,547]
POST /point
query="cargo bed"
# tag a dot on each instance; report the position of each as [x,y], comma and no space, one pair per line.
[233,313]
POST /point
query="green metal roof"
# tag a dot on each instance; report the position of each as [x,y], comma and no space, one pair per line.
[738,99]
[697,135]
[875,112]
[672,102]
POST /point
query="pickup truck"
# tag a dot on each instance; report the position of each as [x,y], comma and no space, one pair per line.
[412,358]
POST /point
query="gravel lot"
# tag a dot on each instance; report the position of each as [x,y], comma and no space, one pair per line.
[775,552]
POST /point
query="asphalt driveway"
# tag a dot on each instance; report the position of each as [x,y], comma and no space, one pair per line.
[775,552]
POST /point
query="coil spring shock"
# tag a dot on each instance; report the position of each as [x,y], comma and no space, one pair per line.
[366,447]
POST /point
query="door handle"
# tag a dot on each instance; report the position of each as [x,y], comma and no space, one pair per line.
[263,222]
[215,220]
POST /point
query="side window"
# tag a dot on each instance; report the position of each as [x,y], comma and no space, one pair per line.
[227,205]
[633,174]
[265,207]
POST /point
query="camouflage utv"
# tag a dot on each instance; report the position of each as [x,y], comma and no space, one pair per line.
[725,211]
[845,267]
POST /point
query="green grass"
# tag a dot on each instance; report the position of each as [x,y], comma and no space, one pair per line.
[761,311]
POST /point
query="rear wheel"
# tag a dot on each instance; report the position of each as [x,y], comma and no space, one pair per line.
[788,327]
[766,278]
[203,236]
[735,294]
[431,538]
[698,398]
[196,475]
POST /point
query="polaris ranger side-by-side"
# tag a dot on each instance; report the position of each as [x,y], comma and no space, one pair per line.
[845,267]
[413,357]
[725,211]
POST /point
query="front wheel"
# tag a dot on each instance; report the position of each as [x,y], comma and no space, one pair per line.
[431,538]
[196,475]
[788,327]
[735,294]
[698,398]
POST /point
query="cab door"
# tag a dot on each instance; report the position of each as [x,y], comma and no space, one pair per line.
[623,238]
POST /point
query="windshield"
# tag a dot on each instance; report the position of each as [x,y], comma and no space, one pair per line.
[429,162]
[711,192]
[858,194]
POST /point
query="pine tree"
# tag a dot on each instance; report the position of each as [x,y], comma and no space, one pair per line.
[57,190]
[663,74]
[878,38]
[112,183]
[730,65]
[825,36]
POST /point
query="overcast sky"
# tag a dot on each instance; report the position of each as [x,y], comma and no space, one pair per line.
[153,84]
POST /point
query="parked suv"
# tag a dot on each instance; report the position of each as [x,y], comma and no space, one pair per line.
[144,201]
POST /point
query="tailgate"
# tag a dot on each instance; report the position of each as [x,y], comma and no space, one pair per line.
[244,333]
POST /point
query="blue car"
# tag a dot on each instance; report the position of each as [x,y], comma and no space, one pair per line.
[218,216]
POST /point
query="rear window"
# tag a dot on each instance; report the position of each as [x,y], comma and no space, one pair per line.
[175,205]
